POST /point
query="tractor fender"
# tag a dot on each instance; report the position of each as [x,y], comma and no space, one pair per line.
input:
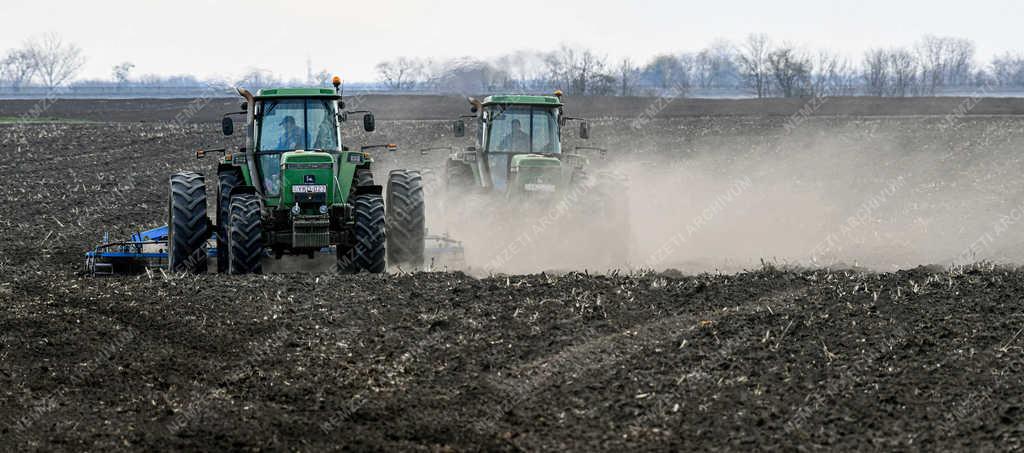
[369,190]
[222,167]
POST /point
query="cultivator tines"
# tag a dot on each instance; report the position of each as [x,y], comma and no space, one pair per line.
[145,250]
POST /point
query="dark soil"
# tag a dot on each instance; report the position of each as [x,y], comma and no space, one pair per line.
[928,358]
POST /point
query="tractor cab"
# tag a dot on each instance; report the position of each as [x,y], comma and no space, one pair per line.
[297,126]
[513,130]
[519,146]
[292,126]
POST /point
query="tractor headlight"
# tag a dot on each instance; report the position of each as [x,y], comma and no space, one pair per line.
[296,209]
[323,209]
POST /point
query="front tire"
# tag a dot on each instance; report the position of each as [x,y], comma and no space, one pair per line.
[226,181]
[188,228]
[245,239]
[406,218]
[368,252]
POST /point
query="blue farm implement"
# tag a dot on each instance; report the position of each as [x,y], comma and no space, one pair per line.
[147,250]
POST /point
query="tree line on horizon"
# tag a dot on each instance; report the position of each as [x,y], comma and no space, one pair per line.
[757,66]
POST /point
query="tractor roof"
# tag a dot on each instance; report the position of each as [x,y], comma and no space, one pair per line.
[522,99]
[295,93]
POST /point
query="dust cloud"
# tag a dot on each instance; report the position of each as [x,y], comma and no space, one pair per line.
[884,194]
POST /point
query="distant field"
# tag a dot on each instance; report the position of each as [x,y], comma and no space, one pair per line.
[405,107]
[23,120]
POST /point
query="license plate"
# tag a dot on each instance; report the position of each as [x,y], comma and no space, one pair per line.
[539,187]
[318,188]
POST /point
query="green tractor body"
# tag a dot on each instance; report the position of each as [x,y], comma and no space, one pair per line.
[294,188]
[520,171]
[518,149]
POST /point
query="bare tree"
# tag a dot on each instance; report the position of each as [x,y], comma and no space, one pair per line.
[588,71]
[960,61]
[876,72]
[576,69]
[715,66]
[944,61]
[1008,70]
[791,71]
[670,74]
[56,62]
[831,75]
[400,73]
[17,68]
[628,74]
[902,72]
[753,62]
[122,72]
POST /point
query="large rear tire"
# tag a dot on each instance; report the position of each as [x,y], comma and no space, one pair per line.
[188,228]
[406,218]
[226,181]
[245,239]
[368,253]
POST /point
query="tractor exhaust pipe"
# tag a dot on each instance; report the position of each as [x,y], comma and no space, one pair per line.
[250,152]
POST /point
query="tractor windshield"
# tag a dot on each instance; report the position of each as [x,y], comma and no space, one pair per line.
[293,124]
[523,129]
[518,129]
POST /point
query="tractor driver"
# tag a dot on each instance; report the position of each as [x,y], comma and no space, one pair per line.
[292,136]
[517,139]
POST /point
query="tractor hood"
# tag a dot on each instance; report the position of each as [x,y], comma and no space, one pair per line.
[307,178]
[535,174]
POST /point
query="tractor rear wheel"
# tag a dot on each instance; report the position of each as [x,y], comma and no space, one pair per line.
[188,228]
[226,181]
[406,218]
[245,236]
[368,253]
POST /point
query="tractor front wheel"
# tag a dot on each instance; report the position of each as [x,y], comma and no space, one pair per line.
[368,251]
[188,228]
[406,218]
[245,236]
[226,181]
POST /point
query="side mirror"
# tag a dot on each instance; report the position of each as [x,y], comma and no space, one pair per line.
[584,130]
[459,128]
[369,123]
[227,126]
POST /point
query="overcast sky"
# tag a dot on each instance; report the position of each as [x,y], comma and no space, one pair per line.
[224,38]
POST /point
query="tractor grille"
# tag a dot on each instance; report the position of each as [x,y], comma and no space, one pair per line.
[311,232]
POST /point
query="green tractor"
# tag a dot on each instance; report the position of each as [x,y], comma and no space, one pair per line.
[295,189]
[518,171]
